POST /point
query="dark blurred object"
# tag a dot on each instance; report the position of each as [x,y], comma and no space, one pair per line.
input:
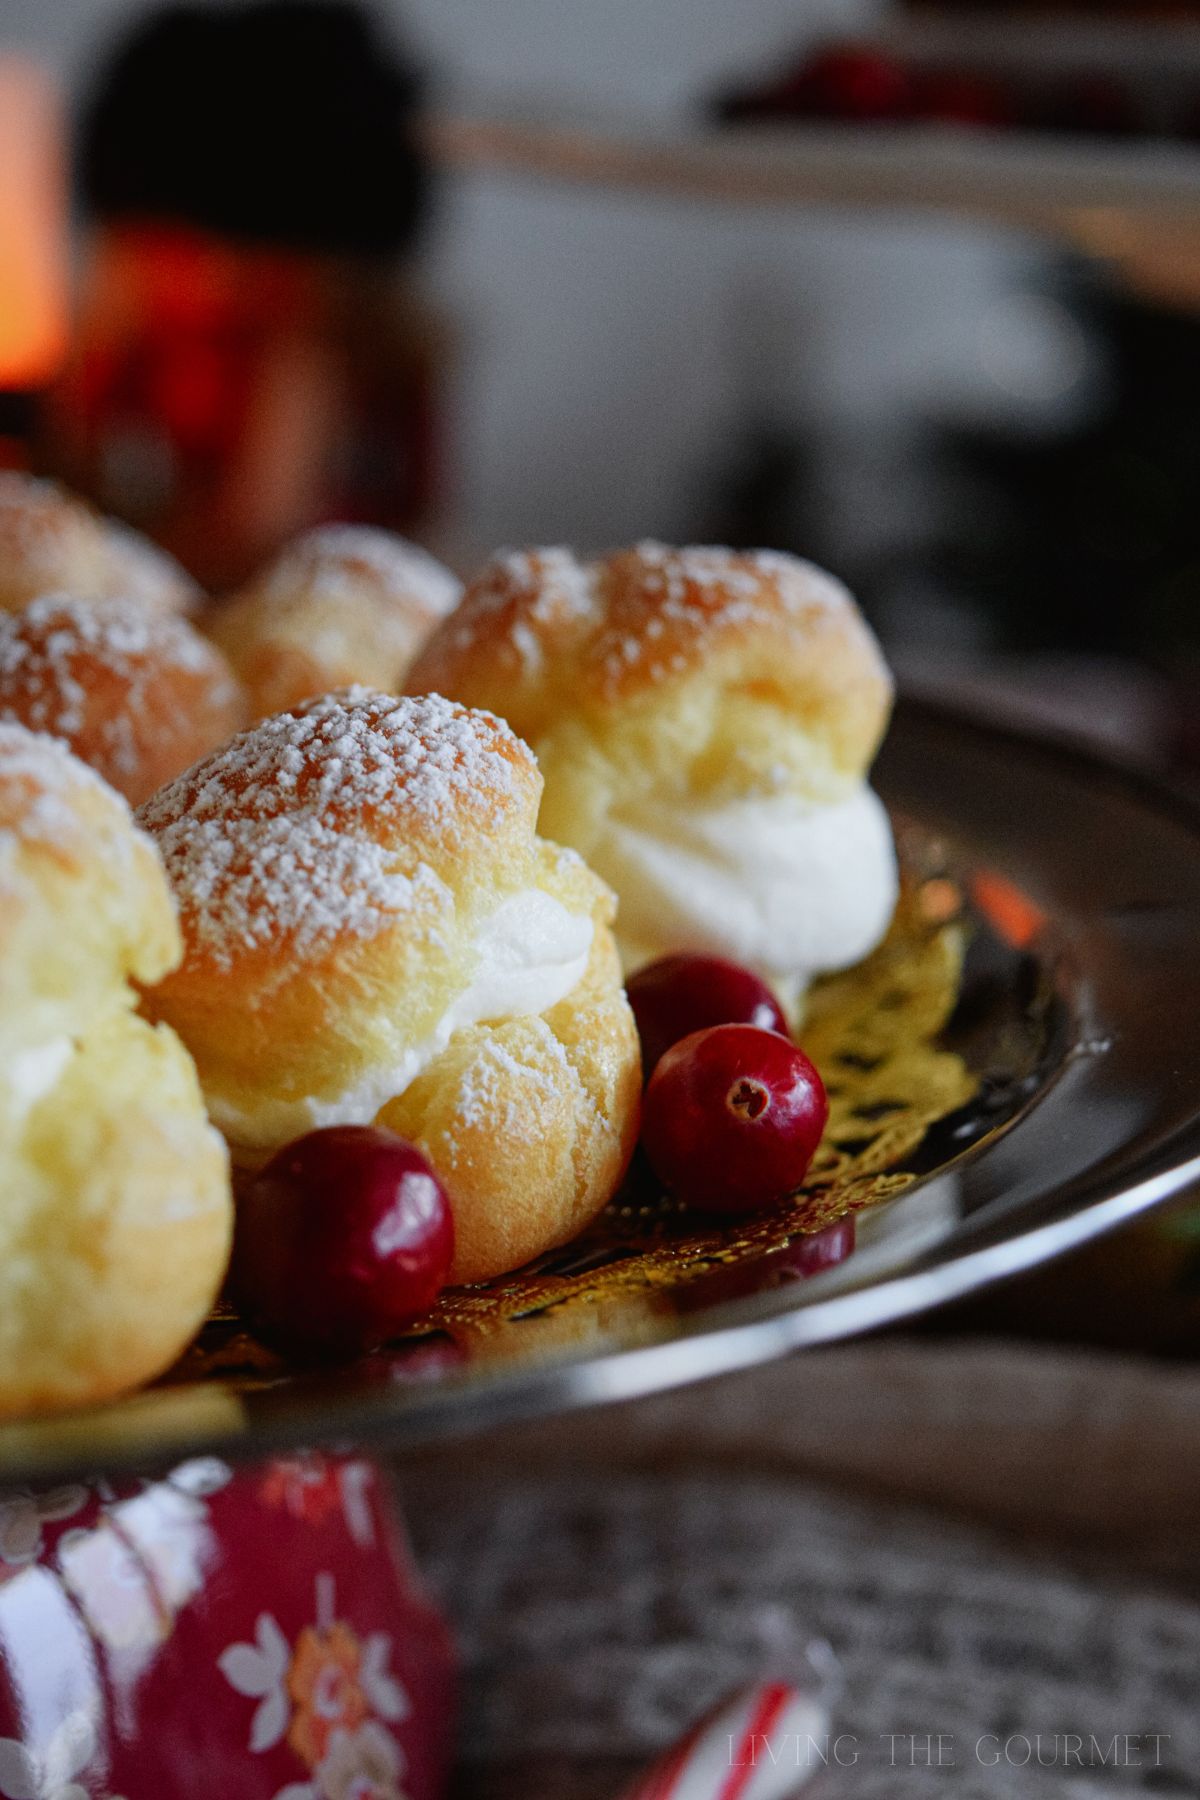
[283,122]
[1136,1289]
[1096,105]
[251,356]
[865,83]
[1093,542]
[1140,10]
[963,97]
[851,82]
[1082,543]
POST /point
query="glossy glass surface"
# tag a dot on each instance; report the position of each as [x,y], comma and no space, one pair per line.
[1081,1014]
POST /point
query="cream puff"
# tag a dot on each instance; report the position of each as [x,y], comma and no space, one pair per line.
[375,933]
[704,721]
[136,695]
[343,604]
[51,541]
[115,1203]
[142,570]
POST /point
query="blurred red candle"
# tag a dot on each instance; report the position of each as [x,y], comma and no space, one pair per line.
[33,227]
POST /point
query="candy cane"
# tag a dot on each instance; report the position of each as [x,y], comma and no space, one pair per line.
[762,1743]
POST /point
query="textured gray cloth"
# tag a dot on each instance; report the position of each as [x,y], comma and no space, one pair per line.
[612,1576]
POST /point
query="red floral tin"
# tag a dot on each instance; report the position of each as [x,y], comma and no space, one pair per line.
[258,1636]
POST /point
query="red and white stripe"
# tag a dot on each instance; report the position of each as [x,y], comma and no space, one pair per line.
[762,1743]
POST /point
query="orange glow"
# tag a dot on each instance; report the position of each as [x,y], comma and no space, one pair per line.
[1015,916]
[33,226]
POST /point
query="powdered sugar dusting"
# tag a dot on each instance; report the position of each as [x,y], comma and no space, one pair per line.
[43,531]
[523,594]
[494,1086]
[650,608]
[725,580]
[40,788]
[278,835]
[246,882]
[19,491]
[56,646]
[802,584]
[556,581]
[51,539]
[143,571]
[668,601]
[333,559]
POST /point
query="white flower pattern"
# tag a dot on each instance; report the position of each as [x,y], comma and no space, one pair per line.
[259,1670]
[26,1776]
[203,1476]
[382,1689]
[22,1516]
[361,1765]
[354,1480]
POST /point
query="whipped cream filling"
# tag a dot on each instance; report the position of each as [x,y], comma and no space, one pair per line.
[791,887]
[531,953]
[29,1075]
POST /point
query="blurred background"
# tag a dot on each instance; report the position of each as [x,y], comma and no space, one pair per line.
[906,289]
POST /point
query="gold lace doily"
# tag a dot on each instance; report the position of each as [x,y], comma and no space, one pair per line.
[872,1033]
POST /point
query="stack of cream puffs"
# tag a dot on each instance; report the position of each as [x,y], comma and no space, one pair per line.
[116,1211]
[372,909]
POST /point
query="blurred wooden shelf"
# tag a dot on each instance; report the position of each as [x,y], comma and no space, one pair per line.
[1135,207]
[1078,188]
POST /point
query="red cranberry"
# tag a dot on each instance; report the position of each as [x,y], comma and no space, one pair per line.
[732,1118]
[803,1256]
[345,1236]
[677,995]
[817,1250]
